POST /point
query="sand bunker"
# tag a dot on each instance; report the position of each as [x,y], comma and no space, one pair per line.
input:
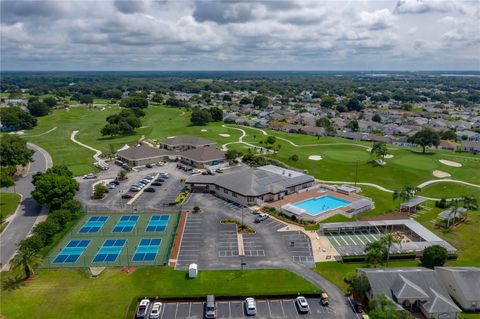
[315,157]
[224,135]
[450,163]
[171,136]
[441,174]
[204,130]
[389,156]
[369,149]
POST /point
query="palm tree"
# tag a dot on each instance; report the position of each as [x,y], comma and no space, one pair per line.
[388,240]
[26,260]
[379,149]
[374,256]
[453,211]
[406,193]
[470,202]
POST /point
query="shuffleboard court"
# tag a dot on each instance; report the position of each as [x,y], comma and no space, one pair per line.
[125,224]
[110,250]
[72,251]
[93,224]
[157,223]
[147,249]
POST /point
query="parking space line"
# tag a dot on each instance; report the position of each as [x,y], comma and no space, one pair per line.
[269,310]
[176,309]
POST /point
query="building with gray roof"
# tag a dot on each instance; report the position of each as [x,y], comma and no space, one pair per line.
[414,289]
[463,285]
[249,186]
[182,143]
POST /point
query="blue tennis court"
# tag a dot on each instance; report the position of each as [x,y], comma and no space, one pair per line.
[147,249]
[71,252]
[125,224]
[157,223]
[110,250]
[93,224]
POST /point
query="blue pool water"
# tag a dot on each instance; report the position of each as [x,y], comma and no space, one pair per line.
[316,206]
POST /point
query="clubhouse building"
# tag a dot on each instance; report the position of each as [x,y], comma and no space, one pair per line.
[189,150]
[252,186]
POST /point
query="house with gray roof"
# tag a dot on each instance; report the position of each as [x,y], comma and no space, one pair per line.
[463,285]
[415,289]
[250,186]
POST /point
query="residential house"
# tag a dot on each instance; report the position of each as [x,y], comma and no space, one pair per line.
[446,145]
[463,285]
[471,147]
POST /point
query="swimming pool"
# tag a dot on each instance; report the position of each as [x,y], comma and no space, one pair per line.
[318,205]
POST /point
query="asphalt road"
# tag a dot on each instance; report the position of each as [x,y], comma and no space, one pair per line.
[29,210]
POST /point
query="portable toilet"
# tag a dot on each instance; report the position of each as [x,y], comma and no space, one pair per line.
[193,271]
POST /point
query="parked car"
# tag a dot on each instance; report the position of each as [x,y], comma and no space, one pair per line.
[324,299]
[156,184]
[134,189]
[143,308]
[261,217]
[90,176]
[219,170]
[357,307]
[156,309]
[111,186]
[210,308]
[161,180]
[115,182]
[160,163]
[250,307]
[126,196]
[149,177]
[149,190]
[144,181]
[164,175]
[148,166]
[196,171]
[302,304]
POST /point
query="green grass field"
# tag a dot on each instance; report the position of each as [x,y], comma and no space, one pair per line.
[58,292]
[8,203]
[133,238]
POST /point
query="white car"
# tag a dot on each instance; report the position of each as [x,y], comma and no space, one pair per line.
[156,309]
[143,308]
[195,171]
[302,305]
[250,307]
[89,176]
[261,217]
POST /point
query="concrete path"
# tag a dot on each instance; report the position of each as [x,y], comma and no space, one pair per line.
[97,152]
[41,134]
[28,212]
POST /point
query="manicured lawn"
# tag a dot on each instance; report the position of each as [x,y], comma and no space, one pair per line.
[441,190]
[8,203]
[58,292]
[336,271]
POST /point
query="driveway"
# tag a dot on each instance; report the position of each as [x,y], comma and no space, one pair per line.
[29,210]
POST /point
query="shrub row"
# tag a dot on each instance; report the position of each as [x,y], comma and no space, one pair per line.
[56,221]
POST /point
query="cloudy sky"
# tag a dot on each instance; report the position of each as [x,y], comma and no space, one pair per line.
[240,35]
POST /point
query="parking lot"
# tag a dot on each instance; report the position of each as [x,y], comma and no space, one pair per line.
[233,309]
[113,201]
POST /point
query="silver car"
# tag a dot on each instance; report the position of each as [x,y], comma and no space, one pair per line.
[302,305]
[250,307]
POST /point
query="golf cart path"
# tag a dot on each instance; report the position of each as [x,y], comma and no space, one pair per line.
[97,152]
[44,133]
[240,140]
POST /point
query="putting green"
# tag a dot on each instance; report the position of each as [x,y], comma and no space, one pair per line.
[422,162]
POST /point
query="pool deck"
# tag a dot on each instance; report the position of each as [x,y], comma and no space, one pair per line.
[314,193]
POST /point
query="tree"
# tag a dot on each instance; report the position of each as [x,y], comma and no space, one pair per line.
[112,94]
[470,202]
[261,101]
[122,175]
[294,158]
[434,256]
[379,149]
[6,179]
[353,105]
[233,154]
[216,113]
[374,256]
[26,261]
[323,122]
[46,229]
[14,118]
[387,241]
[270,140]
[86,99]
[14,151]
[360,285]
[110,129]
[424,138]
[53,188]
[453,212]
[245,100]
[327,101]
[50,101]
[406,193]
[99,191]
[37,108]
[72,205]
[407,106]
[134,101]
[34,243]
[449,135]
[377,118]
[200,117]
[227,97]
[381,307]
[353,126]
[60,216]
